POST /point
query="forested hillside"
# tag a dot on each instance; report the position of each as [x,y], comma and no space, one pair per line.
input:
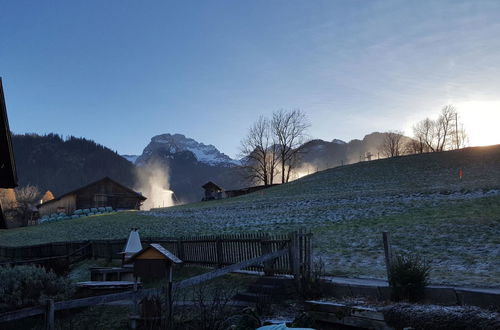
[53,163]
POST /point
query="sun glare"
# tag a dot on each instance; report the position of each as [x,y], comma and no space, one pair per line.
[481,121]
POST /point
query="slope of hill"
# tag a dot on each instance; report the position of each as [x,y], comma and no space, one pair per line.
[59,165]
[420,199]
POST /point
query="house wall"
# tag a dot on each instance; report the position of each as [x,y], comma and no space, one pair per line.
[66,204]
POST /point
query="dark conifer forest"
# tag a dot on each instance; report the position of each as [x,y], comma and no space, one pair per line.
[59,164]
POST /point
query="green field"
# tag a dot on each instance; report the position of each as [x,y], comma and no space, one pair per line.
[454,223]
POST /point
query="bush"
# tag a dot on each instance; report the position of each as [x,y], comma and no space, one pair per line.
[433,317]
[409,276]
[24,286]
[311,287]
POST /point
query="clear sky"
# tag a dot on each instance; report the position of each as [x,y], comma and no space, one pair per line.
[119,72]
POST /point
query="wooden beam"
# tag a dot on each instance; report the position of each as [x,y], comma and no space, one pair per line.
[219,272]
[49,315]
[387,253]
[22,313]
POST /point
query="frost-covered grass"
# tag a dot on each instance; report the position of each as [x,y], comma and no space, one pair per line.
[453,222]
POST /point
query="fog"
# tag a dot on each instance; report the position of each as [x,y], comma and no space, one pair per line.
[153,183]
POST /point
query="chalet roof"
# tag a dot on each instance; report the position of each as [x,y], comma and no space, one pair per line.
[140,196]
[8,175]
[164,252]
[211,185]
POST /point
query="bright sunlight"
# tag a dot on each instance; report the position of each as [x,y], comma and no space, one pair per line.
[481,119]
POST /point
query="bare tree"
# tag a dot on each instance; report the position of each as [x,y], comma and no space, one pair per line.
[27,197]
[443,128]
[259,151]
[289,129]
[460,138]
[444,133]
[423,132]
[392,145]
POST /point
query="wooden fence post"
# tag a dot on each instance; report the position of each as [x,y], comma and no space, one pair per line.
[294,257]
[180,250]
[49,315]
[110,251]
[266,249]
[309,255]
[220,256]
[388,253]
[135,308]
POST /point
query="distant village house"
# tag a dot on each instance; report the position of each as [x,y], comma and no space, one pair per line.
[102,193]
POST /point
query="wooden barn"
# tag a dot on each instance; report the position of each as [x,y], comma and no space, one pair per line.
[8,176]
[102,193]
[212,191]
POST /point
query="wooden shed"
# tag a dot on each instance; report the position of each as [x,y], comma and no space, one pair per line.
[212,191]
[8,176]
[102,193]
[154,261]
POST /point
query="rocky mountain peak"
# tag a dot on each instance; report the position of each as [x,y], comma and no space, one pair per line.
[175,143]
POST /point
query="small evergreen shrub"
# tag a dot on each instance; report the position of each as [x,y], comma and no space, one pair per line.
[409,276]
[24,286]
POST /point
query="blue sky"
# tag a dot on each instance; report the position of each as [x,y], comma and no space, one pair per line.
[119,72]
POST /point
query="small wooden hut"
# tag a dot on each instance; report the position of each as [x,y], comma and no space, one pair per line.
[212,191]
[154,261]
[102,193]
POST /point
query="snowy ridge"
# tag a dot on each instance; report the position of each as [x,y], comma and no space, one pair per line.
[174,143]
[130,158]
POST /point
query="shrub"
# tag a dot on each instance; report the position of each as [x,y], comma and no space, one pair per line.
[311,287]
[409,276]
[23,286]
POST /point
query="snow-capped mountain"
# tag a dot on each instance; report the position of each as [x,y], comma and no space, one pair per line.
[130,158]
[176,143]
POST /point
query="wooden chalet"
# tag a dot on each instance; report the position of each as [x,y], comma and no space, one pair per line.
[212,191]
[102,193]
[8,176]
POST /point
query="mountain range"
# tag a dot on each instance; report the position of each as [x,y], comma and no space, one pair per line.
[59,165]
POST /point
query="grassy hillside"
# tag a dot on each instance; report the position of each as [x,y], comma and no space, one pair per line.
[453,222]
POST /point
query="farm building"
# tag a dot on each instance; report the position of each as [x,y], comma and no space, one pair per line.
[213,191]
[102,193]
[8,176]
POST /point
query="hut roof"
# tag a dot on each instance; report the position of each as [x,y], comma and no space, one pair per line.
[140,196]
[211,185]
[166,254]
[8,175]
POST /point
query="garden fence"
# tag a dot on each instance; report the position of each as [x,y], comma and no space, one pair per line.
[212,251]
